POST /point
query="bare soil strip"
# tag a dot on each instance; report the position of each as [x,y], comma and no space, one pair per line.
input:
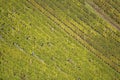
[103,15]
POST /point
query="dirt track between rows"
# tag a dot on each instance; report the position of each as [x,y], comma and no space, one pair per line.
[104,15]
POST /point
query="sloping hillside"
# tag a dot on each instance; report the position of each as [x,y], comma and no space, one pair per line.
[59,40]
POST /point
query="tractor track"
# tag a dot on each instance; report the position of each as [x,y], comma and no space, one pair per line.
[76,36]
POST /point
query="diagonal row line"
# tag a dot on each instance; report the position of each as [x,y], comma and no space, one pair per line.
[81,34]
[68,30]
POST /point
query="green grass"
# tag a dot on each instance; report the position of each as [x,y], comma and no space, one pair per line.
[51,43]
